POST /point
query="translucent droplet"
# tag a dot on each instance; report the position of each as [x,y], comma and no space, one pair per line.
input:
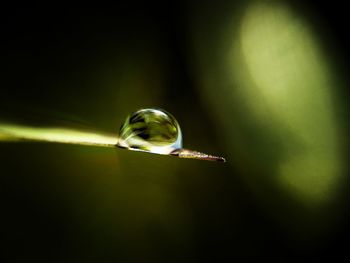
[151,130]
[156,131]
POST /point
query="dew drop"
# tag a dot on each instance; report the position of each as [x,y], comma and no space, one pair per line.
[151,130]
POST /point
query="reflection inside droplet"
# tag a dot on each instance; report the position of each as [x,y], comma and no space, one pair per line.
[150,130]
[156,131]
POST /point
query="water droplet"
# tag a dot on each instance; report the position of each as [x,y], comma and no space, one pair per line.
[151,130]
[157,131]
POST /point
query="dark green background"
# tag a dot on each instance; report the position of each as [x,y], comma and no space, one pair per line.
[93,66]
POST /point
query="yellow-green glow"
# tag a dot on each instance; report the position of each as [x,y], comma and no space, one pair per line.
[11,132]
[286,82]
